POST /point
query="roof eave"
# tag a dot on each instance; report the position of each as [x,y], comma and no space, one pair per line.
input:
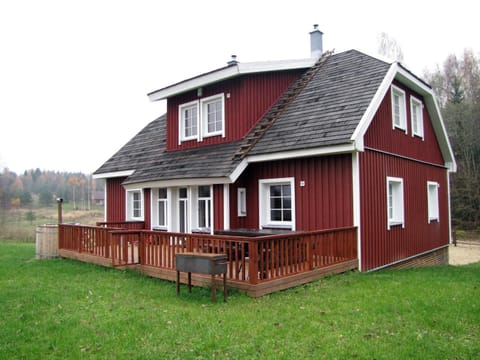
[229,72]
[113,174]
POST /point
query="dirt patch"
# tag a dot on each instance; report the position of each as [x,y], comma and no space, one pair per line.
[466,252]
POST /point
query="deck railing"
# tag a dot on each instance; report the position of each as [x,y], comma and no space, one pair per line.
[130,225]
[92,240]
[251,259]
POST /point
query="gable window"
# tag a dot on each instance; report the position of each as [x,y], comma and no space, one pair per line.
[134,205]
[399,116]
[277,203]
[162,208]
[213,115]
[432,199]
[416,110]
[395,209]
[202,118]
[188,115]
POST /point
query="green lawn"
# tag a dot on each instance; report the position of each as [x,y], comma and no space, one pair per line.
[66,309]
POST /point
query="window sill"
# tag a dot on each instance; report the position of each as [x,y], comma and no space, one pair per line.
[159,228]
[395,224]
[275,226]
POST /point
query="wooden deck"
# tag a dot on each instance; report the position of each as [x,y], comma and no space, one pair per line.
[257,265]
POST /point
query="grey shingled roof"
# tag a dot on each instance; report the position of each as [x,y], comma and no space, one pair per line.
[145,153]
[325,113]
[329,108]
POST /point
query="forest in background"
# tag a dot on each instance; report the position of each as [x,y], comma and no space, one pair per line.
[457,88]
[42,188]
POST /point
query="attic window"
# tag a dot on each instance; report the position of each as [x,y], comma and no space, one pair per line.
[202,118]
[188,116]
[399,114]
[213,115]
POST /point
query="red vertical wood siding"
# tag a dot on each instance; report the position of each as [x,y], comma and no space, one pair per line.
[381,246]
[324,202]
[147,208]
[115,200]
[250,97]
[218,223]
[380,135]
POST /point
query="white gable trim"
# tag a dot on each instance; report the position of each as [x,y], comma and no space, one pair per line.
[113,174]
[397,72]
[229,72]
[372,108]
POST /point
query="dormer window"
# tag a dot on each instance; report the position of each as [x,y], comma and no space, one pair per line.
[213,116]
[188,116]
[202,118]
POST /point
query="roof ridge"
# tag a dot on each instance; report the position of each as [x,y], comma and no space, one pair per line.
[257,132]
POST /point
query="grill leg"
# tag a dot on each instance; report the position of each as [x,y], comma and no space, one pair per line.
[213,288]
[178,282]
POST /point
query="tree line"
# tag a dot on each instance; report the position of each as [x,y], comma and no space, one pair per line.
[43,187]
[457,88]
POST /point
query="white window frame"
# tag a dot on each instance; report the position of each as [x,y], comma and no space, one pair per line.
[181,121]
[162,202]
[242,202]
[402,125]
[204,115]
[432,201]
[395,202]
[264,202]
[130,209]
[208,204]
[186,209]
[416,114]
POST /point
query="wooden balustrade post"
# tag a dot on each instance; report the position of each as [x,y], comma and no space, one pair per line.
[310,241]
[253,263]
[141,247]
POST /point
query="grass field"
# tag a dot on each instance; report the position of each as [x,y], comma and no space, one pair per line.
[57,309]
[16,225]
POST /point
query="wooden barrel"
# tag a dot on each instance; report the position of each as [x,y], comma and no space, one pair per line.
[46,241]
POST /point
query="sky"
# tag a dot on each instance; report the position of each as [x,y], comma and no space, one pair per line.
[74,75]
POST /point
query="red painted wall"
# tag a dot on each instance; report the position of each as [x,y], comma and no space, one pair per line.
[381,246]
[147,209]
[250,97]
[324,202]
[218,223]
[115,199]
[380,135]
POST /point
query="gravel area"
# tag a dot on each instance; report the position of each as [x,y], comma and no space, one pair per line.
[464,253]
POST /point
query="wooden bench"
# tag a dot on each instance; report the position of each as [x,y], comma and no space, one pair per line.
[202,263]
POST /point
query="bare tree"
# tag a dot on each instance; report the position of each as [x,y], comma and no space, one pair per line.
[389,47]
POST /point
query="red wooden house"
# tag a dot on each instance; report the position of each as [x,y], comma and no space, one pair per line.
[333,141]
